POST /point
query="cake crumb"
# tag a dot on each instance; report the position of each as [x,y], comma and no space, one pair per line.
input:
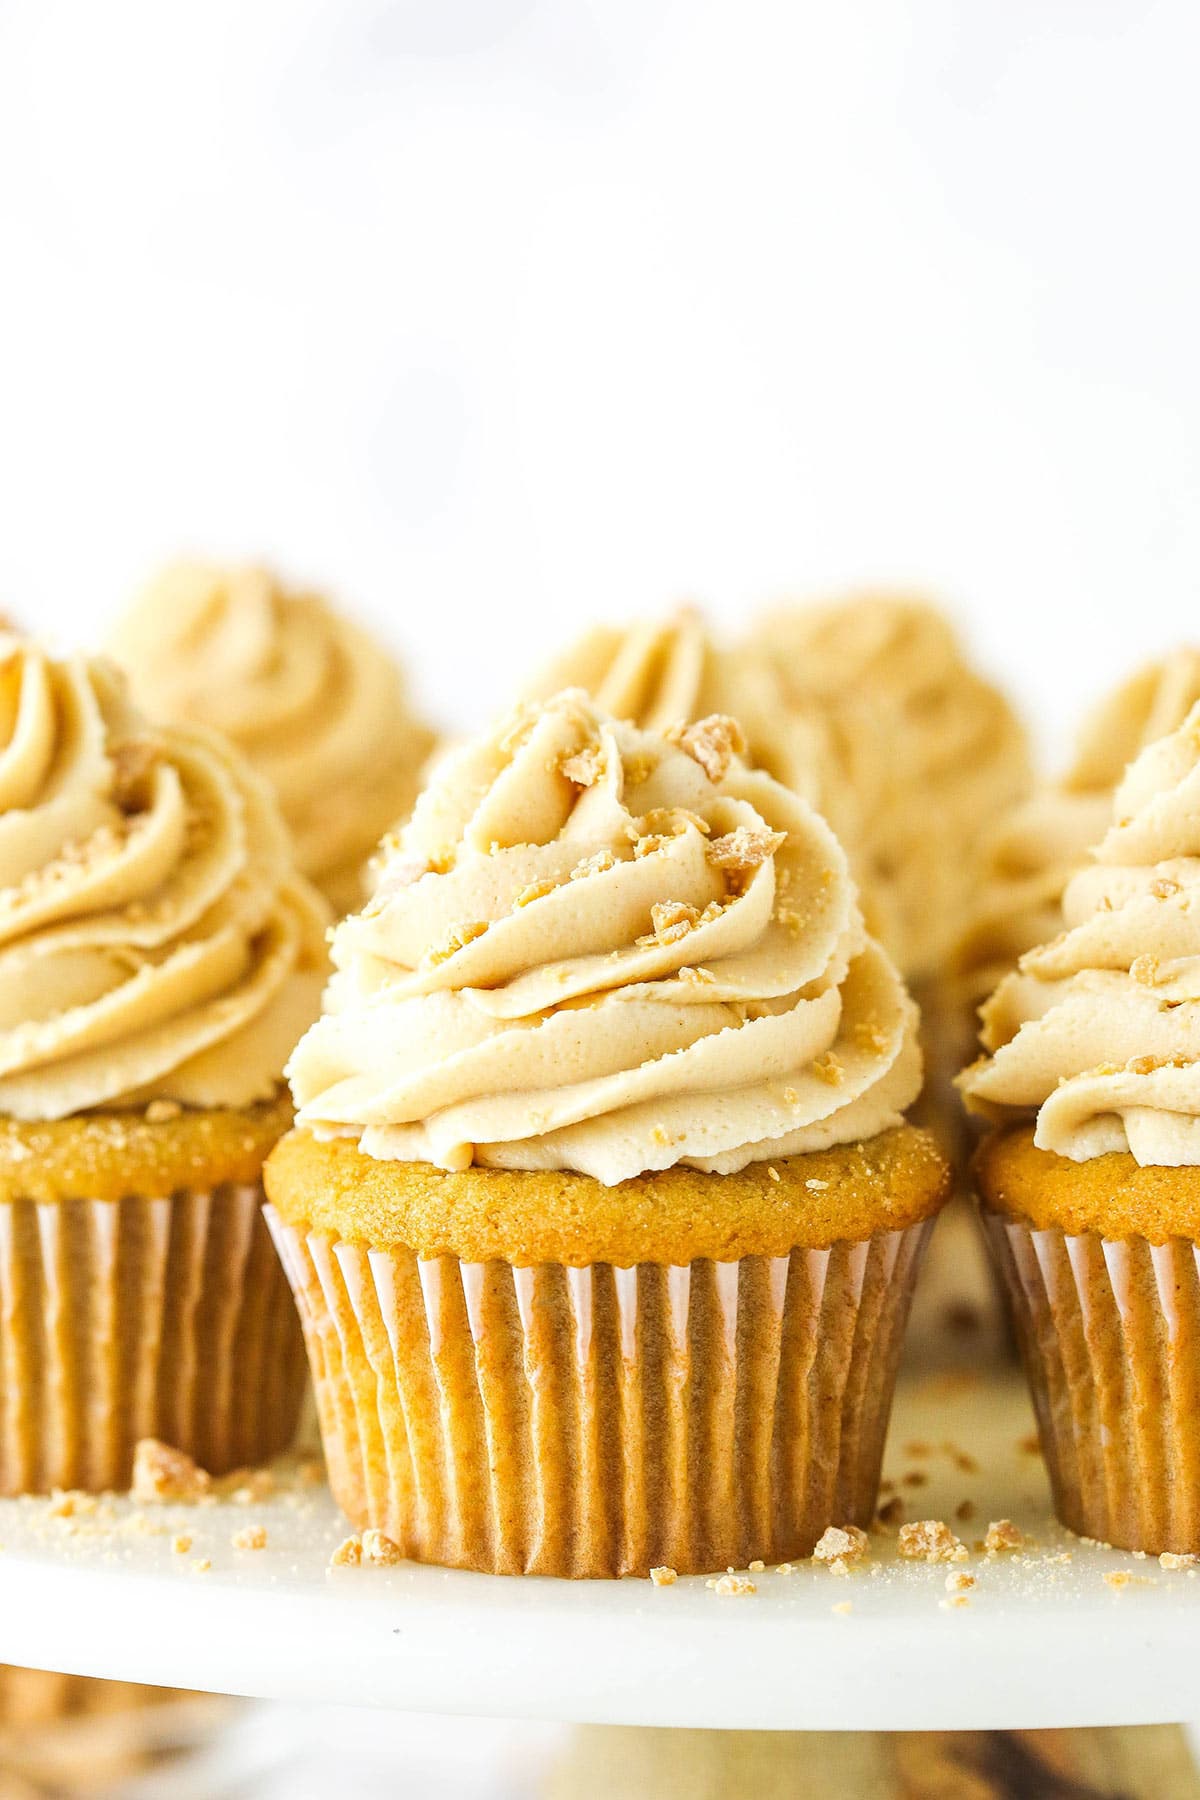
[1118,1578]
[1002,1534]
[931,1540]
[664,1575]
[250,1537]
[740,852]
[735,1585]
[757,1566]
[380,1550]
[201,1566]
[773,1172]
[842,1607]
[842,1548]
[958,1581]
[784,1568]
[161,1473]
[1171,1559]
[954,1602]
[349,1553]
[585,768]
[713,743]
[69,1503]
[181,1543]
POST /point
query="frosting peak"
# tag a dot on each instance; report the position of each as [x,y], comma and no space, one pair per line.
[604,949]
[313,702]
[154,943]
[1098,1031]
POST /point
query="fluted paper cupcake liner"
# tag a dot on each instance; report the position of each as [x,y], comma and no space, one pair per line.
[1110,1337]
[142,1317]
[599,1421]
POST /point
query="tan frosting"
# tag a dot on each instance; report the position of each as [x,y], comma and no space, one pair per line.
[599,950]
[662,672]
[154,942]
[930,751]
[318,707]
[1031,854]
[1096,1033]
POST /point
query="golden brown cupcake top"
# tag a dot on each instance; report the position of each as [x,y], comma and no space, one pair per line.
[154,940]
[602,949]
[1110,1194]
[931,751]
[161,1148]
[313,701]
[1098,1031]
[1031,854]
[675,1215]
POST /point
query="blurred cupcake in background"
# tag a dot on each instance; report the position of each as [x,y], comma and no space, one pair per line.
[602,1212]
[1091,1178]
[158,959]
[932,750]
[314,702]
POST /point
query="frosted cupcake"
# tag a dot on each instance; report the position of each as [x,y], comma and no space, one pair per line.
[158,958]
[1091,1181]
[939,751]
[601,1212]
[314,703]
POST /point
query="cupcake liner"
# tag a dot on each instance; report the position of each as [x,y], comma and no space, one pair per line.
[1110,1338]
[598,1421]
[166,1317]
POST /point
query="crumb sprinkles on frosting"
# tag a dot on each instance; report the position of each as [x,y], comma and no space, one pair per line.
[612,989]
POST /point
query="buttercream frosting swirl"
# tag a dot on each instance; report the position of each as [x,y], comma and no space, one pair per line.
[596,948]
[154,940]
[1029,856]
[664,672]
[311,699]
[1097,1033]
[930,751]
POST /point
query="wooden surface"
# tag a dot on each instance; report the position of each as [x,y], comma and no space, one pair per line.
[1149,1762]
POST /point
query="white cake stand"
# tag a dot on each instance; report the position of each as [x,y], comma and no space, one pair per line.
[1044,1639]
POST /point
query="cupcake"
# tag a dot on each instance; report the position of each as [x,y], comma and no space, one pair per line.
[1090,1179]
[601,1210]
[939,750]
[159,957]
[313,702]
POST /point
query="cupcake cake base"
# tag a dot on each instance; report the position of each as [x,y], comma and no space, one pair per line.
[491,1401]
[140,1297]
[1102,1263]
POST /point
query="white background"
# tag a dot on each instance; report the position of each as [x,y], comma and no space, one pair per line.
[497,316]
